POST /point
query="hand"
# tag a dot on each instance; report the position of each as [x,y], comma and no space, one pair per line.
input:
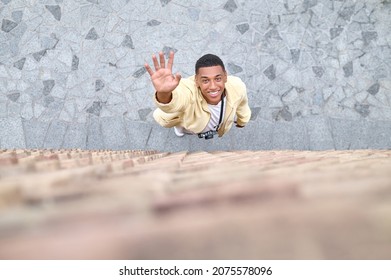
[163,80]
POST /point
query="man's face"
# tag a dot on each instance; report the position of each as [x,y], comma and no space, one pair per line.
[211,81]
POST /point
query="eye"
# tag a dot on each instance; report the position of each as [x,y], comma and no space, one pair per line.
[218,79]
[204,81]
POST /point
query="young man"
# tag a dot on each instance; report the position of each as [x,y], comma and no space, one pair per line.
[204,104]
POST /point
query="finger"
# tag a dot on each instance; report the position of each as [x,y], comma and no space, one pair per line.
[178,77]
[162,60]
[149,70]
[155,63]
[170,60]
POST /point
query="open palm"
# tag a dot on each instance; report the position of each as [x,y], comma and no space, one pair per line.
[163,80]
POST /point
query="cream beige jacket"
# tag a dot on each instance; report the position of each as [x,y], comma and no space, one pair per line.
[189,109]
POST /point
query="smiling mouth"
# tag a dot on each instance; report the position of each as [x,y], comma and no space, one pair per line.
[214,93]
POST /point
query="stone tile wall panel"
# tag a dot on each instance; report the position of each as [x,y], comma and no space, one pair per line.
[68,61]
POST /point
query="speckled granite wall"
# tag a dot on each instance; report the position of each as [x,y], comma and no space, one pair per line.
[317,71]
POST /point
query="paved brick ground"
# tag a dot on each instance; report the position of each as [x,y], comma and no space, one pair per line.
[78,204]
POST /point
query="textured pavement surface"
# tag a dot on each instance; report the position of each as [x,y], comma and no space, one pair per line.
[79,204]
[318,72]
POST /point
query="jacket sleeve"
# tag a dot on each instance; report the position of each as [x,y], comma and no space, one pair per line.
[180,99]
[243,111]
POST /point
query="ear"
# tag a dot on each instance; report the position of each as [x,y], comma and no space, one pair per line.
[196,80]
[225,78]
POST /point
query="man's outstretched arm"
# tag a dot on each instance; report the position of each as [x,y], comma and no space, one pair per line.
[163,80]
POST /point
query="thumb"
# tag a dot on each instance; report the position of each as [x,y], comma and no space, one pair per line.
[178,77]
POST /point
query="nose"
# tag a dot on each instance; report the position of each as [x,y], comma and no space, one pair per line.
[212,85]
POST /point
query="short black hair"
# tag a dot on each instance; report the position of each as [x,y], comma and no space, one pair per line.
[208,60]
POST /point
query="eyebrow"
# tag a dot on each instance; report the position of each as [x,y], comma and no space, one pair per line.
[206,77]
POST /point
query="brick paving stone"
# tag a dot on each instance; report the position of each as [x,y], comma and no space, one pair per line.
[277,204]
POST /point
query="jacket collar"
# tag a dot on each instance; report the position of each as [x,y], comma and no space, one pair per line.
[232,95]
